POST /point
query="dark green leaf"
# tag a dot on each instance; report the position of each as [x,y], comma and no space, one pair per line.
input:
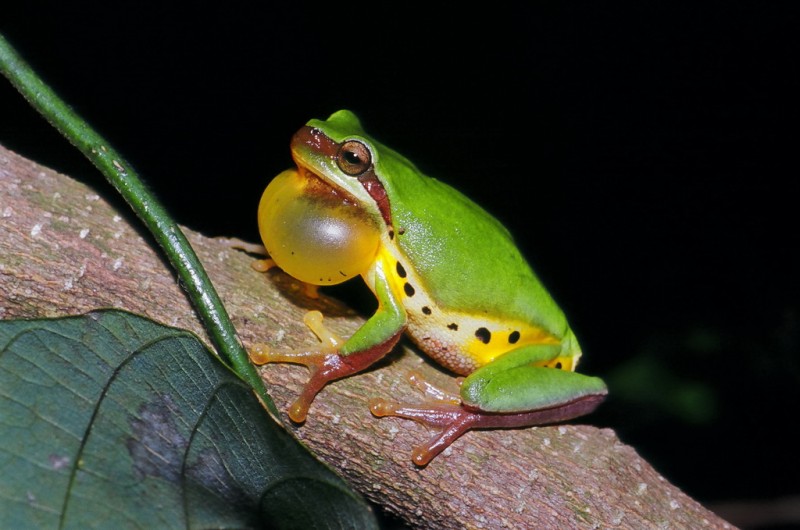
[109,420]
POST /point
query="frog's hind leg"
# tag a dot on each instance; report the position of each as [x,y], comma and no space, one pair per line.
[536,399]
[455,420]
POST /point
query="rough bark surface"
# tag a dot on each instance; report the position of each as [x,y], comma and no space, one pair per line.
[64,250]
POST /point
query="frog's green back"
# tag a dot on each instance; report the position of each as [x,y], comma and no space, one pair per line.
[468,260]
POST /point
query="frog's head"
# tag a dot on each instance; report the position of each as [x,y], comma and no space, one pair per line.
[338,152]
[322,223]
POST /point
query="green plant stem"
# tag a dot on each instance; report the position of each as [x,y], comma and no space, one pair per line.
[166,231]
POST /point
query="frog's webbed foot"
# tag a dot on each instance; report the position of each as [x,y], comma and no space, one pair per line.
[446,412]
[264,265]
[245,246]
[325,364]
[259,265]
[442,410]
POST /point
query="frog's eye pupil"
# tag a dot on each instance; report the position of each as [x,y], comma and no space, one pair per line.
[351,157]
[354,158]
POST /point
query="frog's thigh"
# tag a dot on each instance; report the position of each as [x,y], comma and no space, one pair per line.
[513,384]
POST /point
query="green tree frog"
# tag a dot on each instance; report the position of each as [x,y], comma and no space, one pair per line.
[444,272]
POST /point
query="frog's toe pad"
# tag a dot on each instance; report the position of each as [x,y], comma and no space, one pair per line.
[263,265]
[259,354]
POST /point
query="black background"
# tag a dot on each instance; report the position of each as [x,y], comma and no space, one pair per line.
[645,158]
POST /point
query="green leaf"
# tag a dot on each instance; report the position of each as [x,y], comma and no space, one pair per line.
[111,420]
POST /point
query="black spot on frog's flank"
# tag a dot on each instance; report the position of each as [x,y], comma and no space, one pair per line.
[558,365]
[484,335]
[409,289]
[426,310]
[453,326]
[513,337]
[401,271]
[391,234]
[343,274]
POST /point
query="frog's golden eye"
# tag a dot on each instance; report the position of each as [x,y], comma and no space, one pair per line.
[353,158]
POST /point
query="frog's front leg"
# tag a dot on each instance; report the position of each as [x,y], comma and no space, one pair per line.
[513,391]
[338,358]
[266,264]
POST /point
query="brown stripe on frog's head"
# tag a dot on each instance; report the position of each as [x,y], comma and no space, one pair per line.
[311,148]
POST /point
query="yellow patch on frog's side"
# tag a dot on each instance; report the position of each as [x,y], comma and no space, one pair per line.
[464,343]
[563,363]
[458,341]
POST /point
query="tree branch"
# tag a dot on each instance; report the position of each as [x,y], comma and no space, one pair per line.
[64,250]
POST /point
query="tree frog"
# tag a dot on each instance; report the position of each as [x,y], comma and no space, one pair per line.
[444,271]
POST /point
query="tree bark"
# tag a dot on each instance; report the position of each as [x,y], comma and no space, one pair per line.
[64,250]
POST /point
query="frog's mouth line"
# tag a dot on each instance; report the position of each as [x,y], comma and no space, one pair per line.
[319,187]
